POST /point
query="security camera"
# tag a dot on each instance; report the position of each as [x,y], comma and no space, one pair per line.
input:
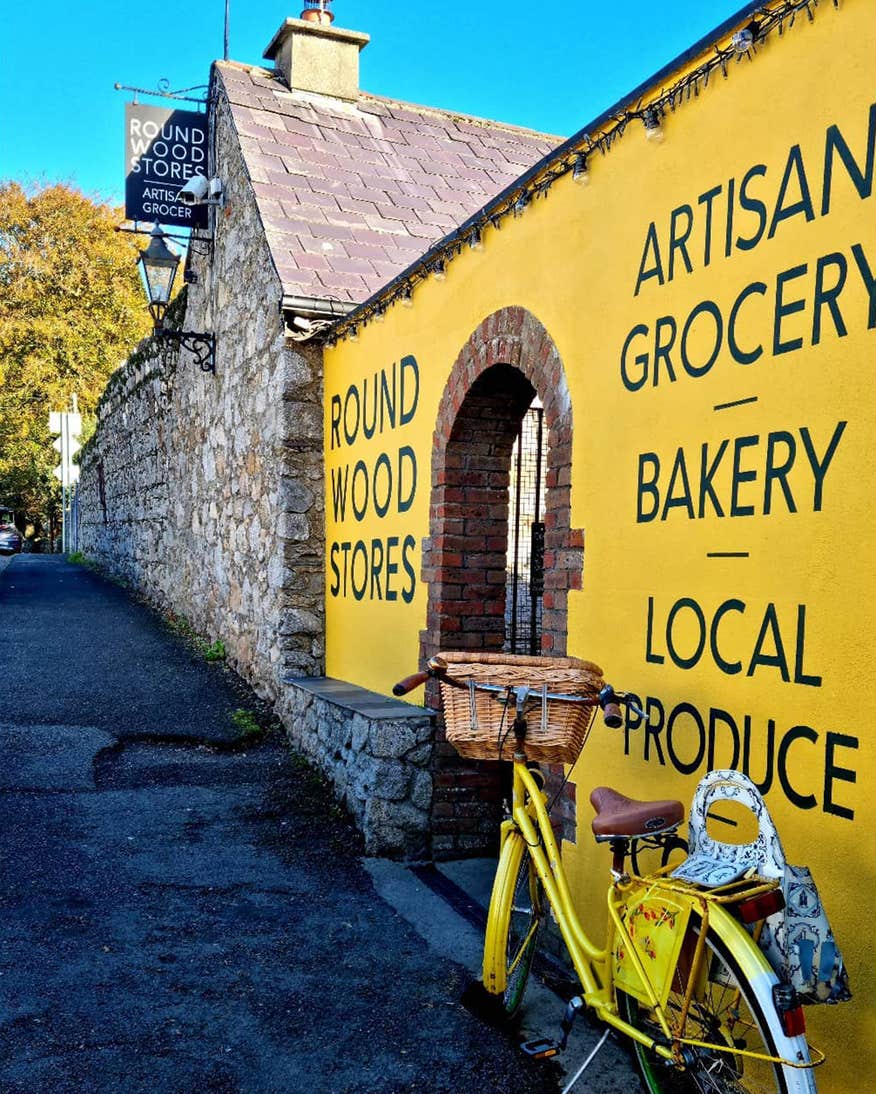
[195,190]
[200,190]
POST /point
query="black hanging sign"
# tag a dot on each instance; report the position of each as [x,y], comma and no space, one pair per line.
[163,149]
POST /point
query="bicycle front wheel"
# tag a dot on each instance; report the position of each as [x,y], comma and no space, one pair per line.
[732,1011]
[517,909]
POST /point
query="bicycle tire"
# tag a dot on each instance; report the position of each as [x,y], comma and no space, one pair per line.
[733,1007]
[517,908]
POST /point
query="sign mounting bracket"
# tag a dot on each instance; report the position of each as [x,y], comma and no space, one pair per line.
[163,92]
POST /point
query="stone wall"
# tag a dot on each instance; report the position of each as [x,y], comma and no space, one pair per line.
[376,751]
[206,492]
[123,488]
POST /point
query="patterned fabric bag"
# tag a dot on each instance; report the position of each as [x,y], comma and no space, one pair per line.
[798,942]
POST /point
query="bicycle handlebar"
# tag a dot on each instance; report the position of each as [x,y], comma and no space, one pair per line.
[608,699]
[436,667]
[410,683]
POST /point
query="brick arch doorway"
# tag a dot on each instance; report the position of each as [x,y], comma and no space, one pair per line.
[508,362]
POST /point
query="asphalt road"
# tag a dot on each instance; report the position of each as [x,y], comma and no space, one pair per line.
[181,912]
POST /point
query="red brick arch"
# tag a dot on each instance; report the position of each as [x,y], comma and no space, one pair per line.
[508,360]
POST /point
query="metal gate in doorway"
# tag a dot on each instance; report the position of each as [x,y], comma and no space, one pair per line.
[524,586]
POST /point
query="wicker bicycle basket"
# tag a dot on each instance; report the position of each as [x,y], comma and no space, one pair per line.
[479,723]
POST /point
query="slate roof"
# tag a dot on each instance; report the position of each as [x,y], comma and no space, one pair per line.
[350,194]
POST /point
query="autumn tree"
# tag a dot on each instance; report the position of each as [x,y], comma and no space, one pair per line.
[71,309]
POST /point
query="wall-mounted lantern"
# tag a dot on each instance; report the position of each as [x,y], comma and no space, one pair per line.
[580,171]
[158,265]
[651,121]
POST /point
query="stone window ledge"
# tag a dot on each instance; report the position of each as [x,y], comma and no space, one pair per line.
[357,699]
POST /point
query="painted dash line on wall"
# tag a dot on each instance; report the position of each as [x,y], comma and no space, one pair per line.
[727,554]
[737,402]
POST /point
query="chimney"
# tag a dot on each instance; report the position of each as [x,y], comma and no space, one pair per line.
[312,55]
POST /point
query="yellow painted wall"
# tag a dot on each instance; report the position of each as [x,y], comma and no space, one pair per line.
[807,577]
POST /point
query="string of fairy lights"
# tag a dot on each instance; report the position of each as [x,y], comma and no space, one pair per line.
[574,159]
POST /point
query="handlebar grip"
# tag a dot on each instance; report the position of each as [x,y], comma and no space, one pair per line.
[612,716]
[409,683]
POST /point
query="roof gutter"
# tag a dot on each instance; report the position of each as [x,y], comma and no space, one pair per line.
[315,307]
[306,318]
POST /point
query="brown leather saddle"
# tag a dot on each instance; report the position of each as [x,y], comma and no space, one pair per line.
[620,817]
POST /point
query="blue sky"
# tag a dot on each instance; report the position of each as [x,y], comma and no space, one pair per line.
[551,66]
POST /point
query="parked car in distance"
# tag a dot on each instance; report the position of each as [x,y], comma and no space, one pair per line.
[10,539]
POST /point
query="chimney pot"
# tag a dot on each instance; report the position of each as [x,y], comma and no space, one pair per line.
[317,11]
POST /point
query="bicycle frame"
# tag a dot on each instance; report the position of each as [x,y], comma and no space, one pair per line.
[694,938]
[593,965]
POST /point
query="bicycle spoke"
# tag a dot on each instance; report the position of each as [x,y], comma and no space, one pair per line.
[524,945]
[722,1020]
[524,923]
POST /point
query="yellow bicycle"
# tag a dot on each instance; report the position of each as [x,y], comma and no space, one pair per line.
[680,972]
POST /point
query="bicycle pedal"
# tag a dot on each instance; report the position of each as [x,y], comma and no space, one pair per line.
[541,1048]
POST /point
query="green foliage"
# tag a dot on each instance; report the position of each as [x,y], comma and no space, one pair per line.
[181,626]
[77,558]
[247,724]
[71,309]
[210,651]
[214,652]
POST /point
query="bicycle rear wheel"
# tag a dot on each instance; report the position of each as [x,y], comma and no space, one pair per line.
[731,1009]
[517,909]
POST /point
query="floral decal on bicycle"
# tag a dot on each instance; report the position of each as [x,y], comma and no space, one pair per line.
[655,927]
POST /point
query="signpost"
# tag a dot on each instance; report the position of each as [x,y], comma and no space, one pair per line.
[164,147]
[69,426]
